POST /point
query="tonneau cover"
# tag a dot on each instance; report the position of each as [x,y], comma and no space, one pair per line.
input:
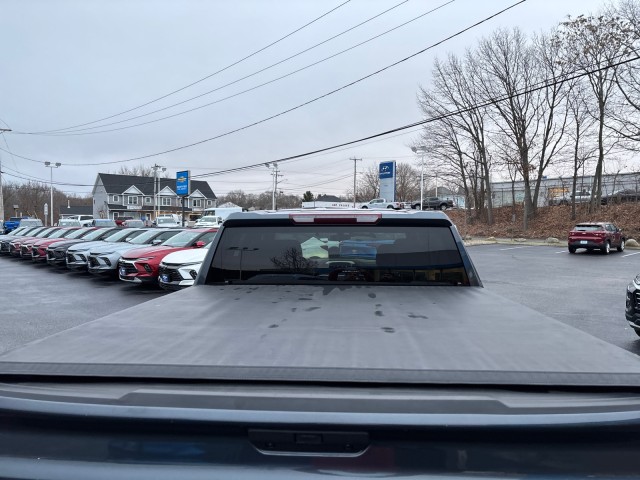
[438,335]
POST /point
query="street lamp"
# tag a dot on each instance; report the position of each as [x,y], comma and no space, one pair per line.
[422,150]
[51,166]
[2,130]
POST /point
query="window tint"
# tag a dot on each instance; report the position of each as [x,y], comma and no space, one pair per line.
[328,254]
[588,228]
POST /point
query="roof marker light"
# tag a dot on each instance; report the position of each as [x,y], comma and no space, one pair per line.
[332,219]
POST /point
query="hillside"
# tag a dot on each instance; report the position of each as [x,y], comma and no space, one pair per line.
[549,221]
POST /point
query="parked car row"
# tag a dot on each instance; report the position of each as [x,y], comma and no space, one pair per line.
[135,255]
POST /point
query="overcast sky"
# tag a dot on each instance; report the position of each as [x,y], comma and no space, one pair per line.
[66,63]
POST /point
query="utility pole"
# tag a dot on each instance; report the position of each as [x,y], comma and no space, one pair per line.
[276,174]
[2,130]
[422,150]
[51,166]
[355,173]
[156,189]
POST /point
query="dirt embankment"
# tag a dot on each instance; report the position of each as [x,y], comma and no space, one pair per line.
[548,222]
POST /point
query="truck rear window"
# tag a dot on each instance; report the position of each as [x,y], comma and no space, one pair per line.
[347,254]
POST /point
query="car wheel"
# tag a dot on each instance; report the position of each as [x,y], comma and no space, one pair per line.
[443,207]
[607,248]
[572,249]
[365,207]
[621,246]
[637,331]
[389,206]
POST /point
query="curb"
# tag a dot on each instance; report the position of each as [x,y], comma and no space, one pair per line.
[525,242]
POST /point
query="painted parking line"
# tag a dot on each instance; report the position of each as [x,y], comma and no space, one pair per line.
[629,254]
[513,248]
[562,251]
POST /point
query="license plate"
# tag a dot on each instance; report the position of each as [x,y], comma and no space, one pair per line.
[164,278]
[583,242]
[123,272]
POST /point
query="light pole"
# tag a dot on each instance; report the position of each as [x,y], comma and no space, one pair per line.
[51,166]
[2,130]
[422,150]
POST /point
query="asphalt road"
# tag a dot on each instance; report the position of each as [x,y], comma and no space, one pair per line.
[38,300]
[586,291]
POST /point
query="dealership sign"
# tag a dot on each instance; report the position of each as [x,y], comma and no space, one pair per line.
[183,183]
[387,176]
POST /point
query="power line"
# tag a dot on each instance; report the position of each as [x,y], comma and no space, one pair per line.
[308,102]
[242,92]
[484,104]
[210,75]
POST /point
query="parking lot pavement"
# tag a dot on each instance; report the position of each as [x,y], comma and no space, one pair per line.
[584,290]
[38,300]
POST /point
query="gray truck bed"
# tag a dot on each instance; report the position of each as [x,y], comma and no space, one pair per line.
[440,335]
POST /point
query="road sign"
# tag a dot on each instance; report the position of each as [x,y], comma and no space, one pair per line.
[183,183]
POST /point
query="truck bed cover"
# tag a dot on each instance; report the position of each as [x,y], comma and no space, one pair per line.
[452,335]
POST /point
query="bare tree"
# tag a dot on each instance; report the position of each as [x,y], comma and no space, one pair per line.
[626,114]
[140,170]
[407,182]
[368,185]
[590,43]
[464,135]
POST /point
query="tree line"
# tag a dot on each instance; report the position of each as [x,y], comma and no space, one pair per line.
[523,106]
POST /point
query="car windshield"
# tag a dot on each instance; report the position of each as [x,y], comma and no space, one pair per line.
[81,232]
[160,221]
[209,219]
[120,235]
[144,237]
[347,254]
[182,239]
[63,232]
[46,232]
[96,233]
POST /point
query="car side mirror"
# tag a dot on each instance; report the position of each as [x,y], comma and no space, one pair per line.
[157,241]
[199,244]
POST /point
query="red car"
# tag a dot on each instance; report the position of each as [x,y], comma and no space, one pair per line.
[596,236]
[15,247]
[26,249]
[39,248]
[141,265]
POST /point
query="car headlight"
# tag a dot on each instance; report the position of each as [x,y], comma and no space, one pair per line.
[637,280]
[143,259]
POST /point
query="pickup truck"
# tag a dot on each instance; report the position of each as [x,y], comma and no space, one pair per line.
[324,345]
[433,203]
[381,203]
[15,222]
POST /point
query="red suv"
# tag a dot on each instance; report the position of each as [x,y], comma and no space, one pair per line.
[142,264]
[601,236]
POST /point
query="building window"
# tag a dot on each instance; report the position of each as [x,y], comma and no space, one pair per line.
[116,198]
[209,203]
[166,201]
[196,202]
[132,200]
[147,200]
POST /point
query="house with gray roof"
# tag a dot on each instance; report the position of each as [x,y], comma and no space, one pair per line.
[145,197]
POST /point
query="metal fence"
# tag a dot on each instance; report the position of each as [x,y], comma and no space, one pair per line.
[551,189]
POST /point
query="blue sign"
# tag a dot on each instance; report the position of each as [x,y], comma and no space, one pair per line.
[183,183]
[386,169]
